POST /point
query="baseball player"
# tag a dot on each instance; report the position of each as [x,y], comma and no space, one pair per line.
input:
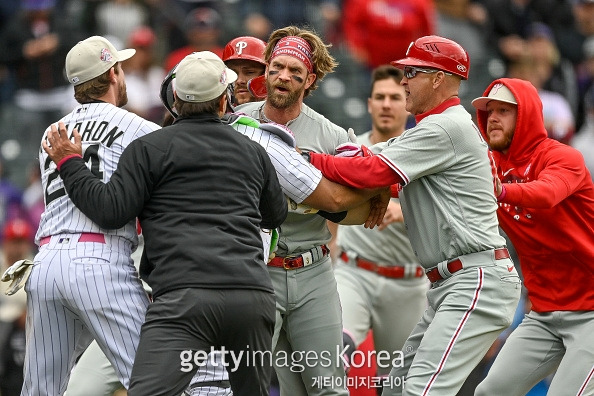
[546,207]
[380,282]
[245,56]
[449,209]
[308,312]
[210,190]
[83,285]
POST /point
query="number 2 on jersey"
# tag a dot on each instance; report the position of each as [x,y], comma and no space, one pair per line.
[91,154]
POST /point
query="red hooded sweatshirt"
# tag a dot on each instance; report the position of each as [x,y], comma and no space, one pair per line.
[547,209]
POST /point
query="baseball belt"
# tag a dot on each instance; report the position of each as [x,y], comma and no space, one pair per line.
[456,265]
[84,237]
[301,260]
[394,272]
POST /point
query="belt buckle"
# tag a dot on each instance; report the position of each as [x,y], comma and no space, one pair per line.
[285,262]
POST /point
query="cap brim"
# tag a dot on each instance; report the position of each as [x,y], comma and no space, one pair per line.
[481,103]
[231,76]
[126,54]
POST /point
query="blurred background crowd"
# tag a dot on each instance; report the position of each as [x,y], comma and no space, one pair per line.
[548,42]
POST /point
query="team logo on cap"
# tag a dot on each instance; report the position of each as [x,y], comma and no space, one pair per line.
[106,55]
[495,88]
[240,46]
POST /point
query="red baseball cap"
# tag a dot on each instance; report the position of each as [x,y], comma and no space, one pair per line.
[17,229]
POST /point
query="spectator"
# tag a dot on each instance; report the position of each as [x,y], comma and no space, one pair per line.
[510,22]
[202,29]
[144,76]
[11,199]
[117,19]
[379,31]
[558,118]
[33,46]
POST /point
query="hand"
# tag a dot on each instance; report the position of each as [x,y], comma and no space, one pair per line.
[393,215]
[60,146]
[498,186]
[379,205]
[352,150]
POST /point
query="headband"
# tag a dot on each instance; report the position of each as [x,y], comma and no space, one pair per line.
[296,47]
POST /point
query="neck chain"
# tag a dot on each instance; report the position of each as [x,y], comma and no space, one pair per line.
[265,119]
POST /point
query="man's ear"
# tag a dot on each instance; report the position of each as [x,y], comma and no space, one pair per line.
[311,77]
[112,75]
[222,105]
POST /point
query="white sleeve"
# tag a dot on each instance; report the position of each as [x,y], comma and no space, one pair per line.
[297,177]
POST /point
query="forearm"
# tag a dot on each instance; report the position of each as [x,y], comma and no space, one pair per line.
[97,200]
[334,197]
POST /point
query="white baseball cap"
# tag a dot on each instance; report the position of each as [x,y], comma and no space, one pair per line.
[91,58]
[202,76]
[499,92]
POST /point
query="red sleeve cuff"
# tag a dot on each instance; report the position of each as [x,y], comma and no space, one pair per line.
[59,164]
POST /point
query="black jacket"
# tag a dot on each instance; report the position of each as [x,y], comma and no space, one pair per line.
[201,191]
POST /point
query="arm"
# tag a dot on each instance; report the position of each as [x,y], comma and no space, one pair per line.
[357,172]
[334,197]
[273,204]
[561,177]
[111,205]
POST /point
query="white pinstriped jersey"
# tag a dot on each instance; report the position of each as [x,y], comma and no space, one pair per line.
[298,179]
[105,130]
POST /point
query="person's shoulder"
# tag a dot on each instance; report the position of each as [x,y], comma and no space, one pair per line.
[251,108]
[313,116]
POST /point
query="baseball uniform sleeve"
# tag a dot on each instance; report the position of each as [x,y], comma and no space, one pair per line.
[273,205]
[558,180]
[357,172]
[111,205]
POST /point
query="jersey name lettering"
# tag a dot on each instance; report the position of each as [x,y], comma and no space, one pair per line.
[94,131]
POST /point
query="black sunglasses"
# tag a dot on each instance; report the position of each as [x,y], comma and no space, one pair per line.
[411,71]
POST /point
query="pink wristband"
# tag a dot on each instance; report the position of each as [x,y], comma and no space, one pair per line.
[59,164]
[501,196]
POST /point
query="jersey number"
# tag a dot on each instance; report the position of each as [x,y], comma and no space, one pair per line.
[91,155]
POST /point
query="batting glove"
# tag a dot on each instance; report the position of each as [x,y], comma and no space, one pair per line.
[352,150]
[17,274]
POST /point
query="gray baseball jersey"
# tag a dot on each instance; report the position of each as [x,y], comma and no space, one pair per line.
[449,208]
[449,187]
[308,313]
[83,285]
[389,306]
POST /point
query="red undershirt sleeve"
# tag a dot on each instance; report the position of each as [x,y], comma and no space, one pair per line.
[356,172]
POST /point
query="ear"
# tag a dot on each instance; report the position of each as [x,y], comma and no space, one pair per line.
[311,77]
[222,105]
[112,75]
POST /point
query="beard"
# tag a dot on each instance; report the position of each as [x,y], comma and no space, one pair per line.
[122,95]
[283,101]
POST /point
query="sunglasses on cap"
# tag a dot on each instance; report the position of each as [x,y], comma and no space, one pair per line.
[411,71]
